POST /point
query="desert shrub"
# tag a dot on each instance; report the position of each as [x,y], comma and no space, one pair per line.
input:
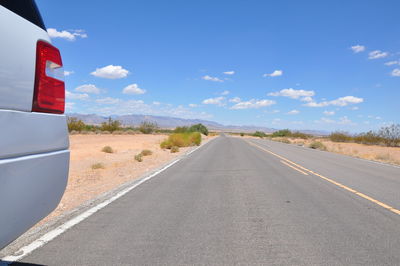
[283,140]
[369,138]
[282,133]
[199,128]
[317,145]
[259,134]
[139,157]
[111,125]
[181,130]
[299,135]
[181,140]
[98,166]
[174,149]
[390,135]
[241,134]
[146,152]
[75,124]
[147,127]
[107,149]
[339,136]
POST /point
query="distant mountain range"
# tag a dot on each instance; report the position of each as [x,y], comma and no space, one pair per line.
[173,122]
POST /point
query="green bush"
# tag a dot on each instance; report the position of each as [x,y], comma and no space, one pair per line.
[107,149]
[194,128]
[259,134]
[148,127]
[146,152]
[199,128]
[111,125]
[282,133]
[241,134]
[139,157]
[317,145]
[181,140]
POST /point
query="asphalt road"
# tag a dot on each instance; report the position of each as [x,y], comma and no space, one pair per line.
[235,202]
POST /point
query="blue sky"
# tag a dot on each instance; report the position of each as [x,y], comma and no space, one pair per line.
[284,64]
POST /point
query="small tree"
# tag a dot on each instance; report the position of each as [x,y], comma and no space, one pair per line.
[282,133]
[75,124]
[199,128]
[148,127]
[111,125]
[390,135]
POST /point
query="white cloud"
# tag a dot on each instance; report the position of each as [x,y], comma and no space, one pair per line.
[215,79]
[329,112]
[192,105]
[67,35]
[67,73]
[253,104]
[391,63]
[276,73]
[216,101]
[342,101]
[235,100]
[88,88]
[293,112]
[396,72]
[358,48]
[133,89]
[377,54]
[156,103]
[76,96]
[110,72]
[294,94]
[108,100]
[229,72]
[225,92]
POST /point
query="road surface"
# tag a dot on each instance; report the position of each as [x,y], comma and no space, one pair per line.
[245,201]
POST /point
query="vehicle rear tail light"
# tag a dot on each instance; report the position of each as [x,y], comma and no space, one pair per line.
[49,93]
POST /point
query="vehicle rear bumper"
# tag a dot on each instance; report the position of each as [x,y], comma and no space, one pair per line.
[30,188]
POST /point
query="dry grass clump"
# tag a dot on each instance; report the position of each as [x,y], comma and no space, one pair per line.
[174,149]
[146,152]
[139,157]
[182,140]
[317,145]
[107,149]
[98,166]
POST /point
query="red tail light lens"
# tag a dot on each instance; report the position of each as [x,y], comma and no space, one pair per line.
[49,94]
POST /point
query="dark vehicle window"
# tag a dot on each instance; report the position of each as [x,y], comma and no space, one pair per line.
[26,9]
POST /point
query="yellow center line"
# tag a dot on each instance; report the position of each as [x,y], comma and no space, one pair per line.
[291,166]
[362,195]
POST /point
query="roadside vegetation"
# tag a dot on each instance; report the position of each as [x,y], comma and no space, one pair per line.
[184,137]
[107,149]
[380,145]
[98,166]
[115,127]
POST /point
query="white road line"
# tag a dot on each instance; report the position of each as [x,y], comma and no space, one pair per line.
[74,221]
[22,252]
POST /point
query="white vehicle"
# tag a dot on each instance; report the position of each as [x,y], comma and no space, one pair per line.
[34,154]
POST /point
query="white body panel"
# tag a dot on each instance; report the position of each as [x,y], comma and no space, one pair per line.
[17,60]
[34,155]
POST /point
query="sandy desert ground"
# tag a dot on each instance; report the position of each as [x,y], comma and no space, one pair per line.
[86,183]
